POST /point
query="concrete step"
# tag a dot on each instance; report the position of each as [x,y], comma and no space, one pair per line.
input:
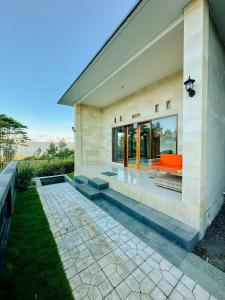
[174,230]
[81,179]
[74,184]
[98,183]
[182,234]
[167,248]
[88,191]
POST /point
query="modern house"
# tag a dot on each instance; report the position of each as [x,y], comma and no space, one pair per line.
[131,105]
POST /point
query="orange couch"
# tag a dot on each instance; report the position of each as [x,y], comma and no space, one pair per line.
[168,163]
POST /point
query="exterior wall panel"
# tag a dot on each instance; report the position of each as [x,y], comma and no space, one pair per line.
[215,171]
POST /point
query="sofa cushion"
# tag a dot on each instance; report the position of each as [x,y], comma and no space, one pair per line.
[171,160]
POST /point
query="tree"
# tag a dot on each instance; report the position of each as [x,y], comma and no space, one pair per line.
[9,153]
[63,150]
[12,135]
[52,150]
[37,152]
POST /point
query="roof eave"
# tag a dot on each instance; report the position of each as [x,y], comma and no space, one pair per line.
[132,10]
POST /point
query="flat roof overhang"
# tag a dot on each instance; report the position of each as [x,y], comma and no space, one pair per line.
[147,46]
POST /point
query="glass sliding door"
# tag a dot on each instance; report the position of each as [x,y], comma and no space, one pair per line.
[118,144]
[136,144]
[132,145]
[145,145]
[163,136]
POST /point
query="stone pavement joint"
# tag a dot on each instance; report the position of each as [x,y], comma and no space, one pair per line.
[102,259]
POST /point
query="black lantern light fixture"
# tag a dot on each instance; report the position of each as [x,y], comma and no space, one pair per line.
[189,86]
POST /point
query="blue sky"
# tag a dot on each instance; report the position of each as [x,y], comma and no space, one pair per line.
[44,45]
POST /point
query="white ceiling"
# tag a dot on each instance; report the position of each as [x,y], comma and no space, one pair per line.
[123,62]
[162,59]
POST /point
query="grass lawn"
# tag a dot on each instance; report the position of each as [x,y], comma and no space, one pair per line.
[33,267]
[71,175]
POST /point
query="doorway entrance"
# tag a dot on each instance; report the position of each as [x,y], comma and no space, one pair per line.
[138,145]
[135,145]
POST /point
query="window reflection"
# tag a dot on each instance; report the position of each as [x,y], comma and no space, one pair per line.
[132,145]
[145,141]
[145,144]
[164,136]
[118,144]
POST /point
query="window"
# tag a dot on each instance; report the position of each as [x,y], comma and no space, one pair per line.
[164,136]
[118,144]
[168,104]
[145,144]
[157,108]
[136,116]
[132,144]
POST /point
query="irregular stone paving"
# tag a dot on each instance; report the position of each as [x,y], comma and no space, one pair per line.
[103,260]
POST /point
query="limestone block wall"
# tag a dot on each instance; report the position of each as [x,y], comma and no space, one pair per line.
[93,142]
[215,160]
[143,103]
[88,139]
[196,18]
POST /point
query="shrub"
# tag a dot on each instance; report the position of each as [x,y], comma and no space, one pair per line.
[29,169]
[55,168]
[24,175]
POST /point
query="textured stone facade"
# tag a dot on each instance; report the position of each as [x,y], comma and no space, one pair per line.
[215,162]
[196,22]
[94,125]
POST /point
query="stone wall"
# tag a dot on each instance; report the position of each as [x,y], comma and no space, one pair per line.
[94,125]
[196,17]
[88,141]
[7,198]
[215,162]
[143,103]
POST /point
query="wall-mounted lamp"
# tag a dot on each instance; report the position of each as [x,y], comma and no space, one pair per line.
[73,129]
[189,86]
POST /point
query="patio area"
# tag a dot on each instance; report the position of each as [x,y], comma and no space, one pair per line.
[104,260]
[131,178]
[137,185]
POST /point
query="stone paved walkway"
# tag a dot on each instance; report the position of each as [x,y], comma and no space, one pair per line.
[103,260]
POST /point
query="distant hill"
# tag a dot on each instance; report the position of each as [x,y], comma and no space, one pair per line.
[32,146]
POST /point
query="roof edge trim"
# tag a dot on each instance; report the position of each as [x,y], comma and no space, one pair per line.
[135,6]
[149,45]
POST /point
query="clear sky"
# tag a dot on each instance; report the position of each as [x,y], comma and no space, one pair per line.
[44,45]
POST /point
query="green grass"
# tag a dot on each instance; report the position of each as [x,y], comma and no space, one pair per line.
[71,175]
[33,268]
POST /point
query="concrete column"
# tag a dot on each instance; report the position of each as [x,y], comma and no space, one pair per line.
[196,32]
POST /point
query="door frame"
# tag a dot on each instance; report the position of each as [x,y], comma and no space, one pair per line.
[134,166]
[138,164]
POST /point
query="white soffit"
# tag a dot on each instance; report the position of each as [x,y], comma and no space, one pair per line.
[162,59]
[115,65]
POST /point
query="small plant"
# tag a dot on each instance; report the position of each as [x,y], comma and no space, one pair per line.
[24,175]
